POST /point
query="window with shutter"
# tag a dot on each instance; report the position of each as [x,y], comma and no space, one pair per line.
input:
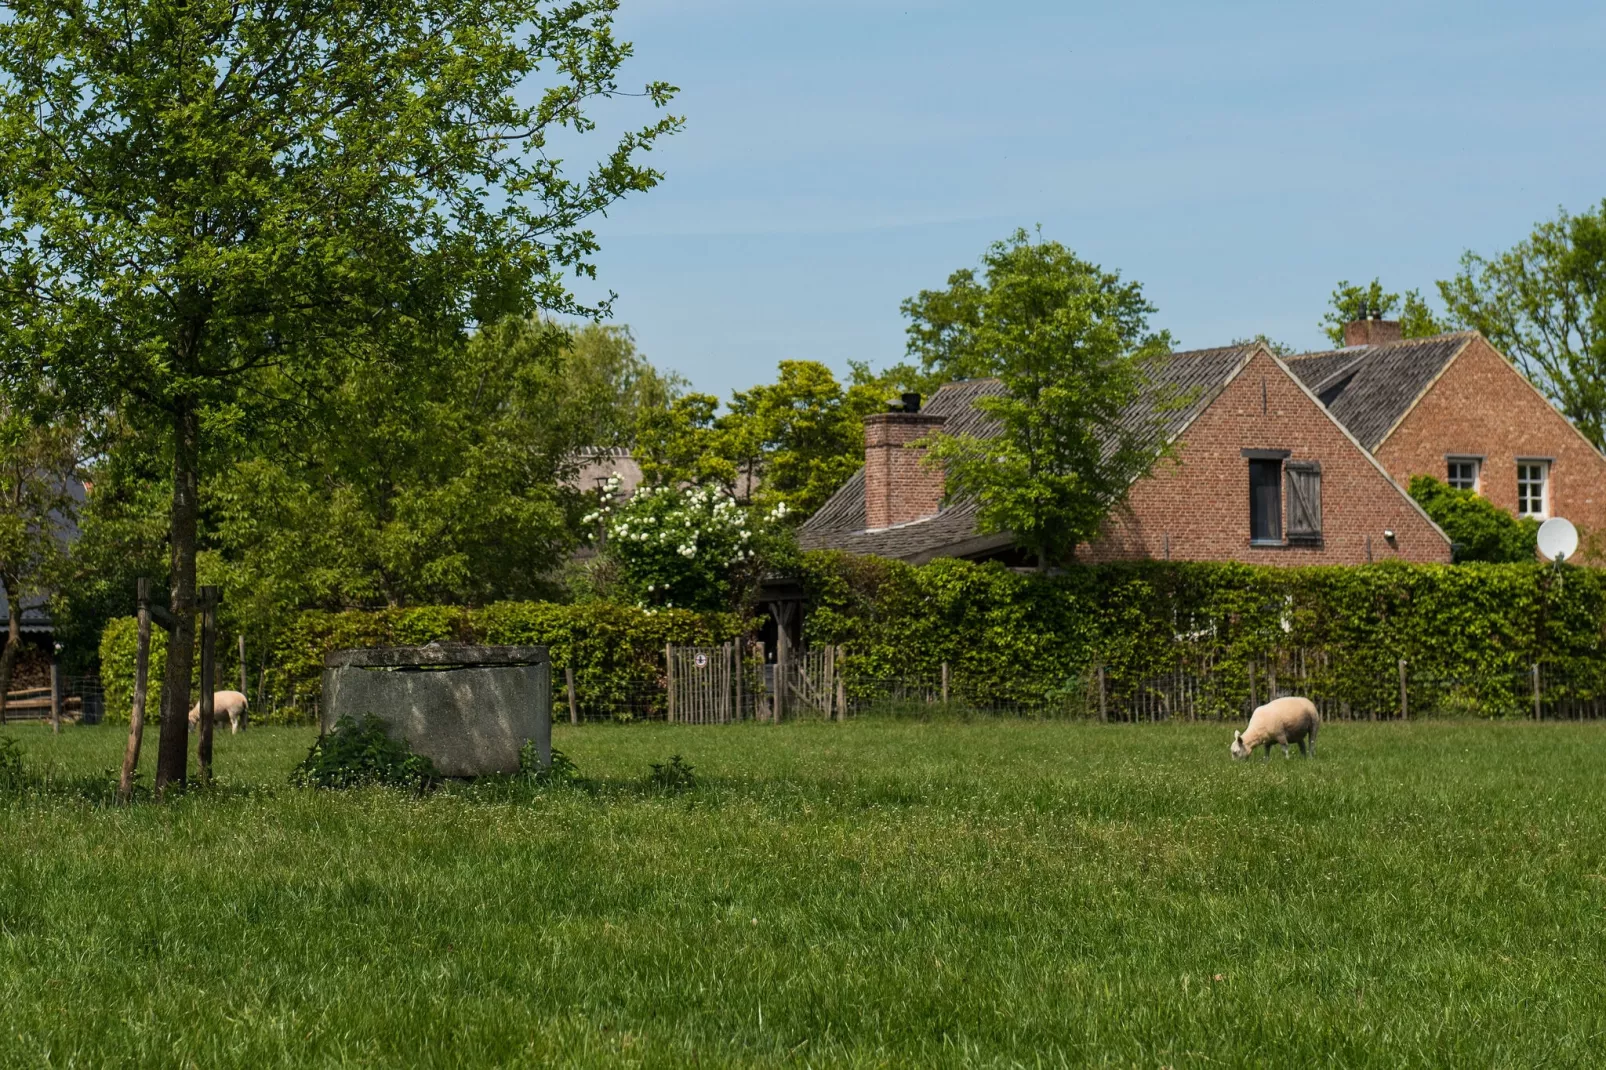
[1304,480]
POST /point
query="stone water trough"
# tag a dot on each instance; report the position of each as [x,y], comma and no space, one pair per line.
[468,709]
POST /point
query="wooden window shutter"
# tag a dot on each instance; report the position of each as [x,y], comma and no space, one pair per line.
[1304,480]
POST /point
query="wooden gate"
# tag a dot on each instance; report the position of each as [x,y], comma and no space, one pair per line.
[813,685]
[704,683]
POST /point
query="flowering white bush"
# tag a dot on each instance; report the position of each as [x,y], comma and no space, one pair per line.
[681,547]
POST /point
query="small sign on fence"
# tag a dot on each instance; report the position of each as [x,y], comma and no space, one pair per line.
[701,661]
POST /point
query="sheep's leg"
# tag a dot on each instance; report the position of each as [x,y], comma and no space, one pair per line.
[1285,750]
[1303,751]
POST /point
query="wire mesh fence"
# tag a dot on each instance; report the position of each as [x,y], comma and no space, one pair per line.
[79,699]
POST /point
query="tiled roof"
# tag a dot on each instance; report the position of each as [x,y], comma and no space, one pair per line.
[1182,385]
[1368,388]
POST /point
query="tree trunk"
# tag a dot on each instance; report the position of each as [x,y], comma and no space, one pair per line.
[172,754]
[8,658]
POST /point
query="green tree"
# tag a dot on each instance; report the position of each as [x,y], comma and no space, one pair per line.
[1478,529]
[1543,304]
[38,461]
[942,325]
[205,202]
[1069,341]
[687,443]
[606,376]
[1350,303]
[811,433]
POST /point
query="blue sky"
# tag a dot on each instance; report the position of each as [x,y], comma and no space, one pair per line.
[1238,161]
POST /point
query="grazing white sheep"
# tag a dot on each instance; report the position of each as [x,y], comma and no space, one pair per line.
[1283,720]
[230,704]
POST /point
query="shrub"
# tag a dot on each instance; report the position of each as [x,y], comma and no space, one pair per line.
[118,646]
[686,547]
[1479,530]
[362,754]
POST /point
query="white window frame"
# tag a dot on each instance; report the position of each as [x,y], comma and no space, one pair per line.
[1477,470]
[1542,464]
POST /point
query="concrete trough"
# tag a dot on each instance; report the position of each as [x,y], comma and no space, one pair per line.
[468,709]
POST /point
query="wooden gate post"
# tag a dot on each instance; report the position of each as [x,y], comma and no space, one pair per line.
[1405,699]
[142,661]
[1104,711]
[669,679]
[1539,710]
[574,705]
[945,683]
[210,597]
[782,665]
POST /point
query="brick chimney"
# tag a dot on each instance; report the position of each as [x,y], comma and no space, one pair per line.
[897,487]
[1371,332]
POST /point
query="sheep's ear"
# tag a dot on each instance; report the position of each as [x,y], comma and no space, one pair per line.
[1237,735]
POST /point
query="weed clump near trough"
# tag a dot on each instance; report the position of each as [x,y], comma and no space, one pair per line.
[671,777]
[562,772]
[362,754]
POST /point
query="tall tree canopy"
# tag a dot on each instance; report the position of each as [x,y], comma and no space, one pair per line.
[1350,303]
[1543,304]
[208,208]
[1069,341]
[789,443]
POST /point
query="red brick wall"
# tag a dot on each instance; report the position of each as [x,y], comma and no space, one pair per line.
[1200,499]
[897,487]
[1482,406]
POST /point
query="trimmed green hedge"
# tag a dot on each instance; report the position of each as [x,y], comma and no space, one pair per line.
[1470,632]
[616,651]
[1018,636]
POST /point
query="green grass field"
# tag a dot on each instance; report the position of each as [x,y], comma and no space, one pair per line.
[879,893]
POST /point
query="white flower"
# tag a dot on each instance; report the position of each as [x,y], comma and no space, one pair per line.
[688,550]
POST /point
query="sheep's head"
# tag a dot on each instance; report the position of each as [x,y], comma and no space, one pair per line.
[1238,748]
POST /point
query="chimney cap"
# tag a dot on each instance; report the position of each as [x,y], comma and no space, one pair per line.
[911,401]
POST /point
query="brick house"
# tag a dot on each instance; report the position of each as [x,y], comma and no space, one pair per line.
[1262,473]
[1455,408]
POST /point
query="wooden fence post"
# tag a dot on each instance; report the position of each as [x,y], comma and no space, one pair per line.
[1104,712]
[136,717]
[210,597]
[736,653]
[574,705]
[241,638]
[55,696]
[1539,710]
[841,691]
[669,679]
[1252,703]
[945,683]
[1405,699]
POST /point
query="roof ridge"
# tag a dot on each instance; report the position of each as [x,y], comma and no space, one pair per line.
[1374,346]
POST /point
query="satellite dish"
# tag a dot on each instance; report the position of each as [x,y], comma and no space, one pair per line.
[1558,539]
